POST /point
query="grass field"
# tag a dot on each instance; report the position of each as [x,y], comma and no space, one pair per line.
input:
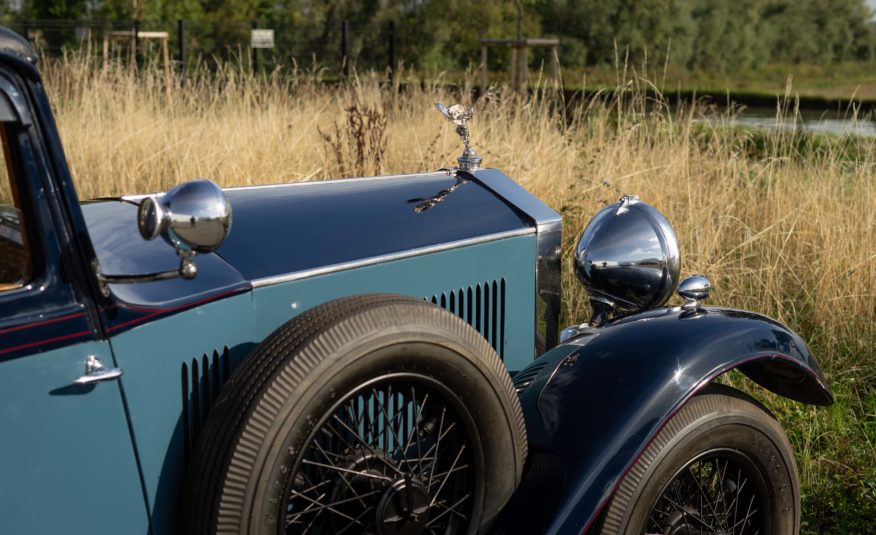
[783,223]
[835,82]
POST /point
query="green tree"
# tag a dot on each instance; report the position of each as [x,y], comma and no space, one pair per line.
[604,31]
[729,35]
[150,10]
[712,35]
[446,33]
[54,9]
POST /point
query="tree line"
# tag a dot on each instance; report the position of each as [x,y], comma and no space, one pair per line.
[708,35]
[713,34]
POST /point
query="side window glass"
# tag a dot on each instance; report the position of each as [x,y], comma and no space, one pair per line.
[16,266]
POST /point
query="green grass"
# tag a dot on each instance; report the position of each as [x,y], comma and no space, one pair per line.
[840,82]
[835,447]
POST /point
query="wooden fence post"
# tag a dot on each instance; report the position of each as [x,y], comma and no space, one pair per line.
[181,43]
[254,63]
[345,43]
[135,37]
[483,68]
[390,50]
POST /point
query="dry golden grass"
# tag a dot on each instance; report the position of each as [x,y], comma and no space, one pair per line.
[784,224]
[782,232]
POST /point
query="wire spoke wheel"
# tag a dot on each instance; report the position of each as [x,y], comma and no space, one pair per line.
[720,492]
[391,457]
[379,414]
[721,465]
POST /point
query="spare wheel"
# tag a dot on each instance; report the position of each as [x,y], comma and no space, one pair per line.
[371,414]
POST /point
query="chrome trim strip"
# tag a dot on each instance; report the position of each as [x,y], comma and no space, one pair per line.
[516,195]
[442,172]
[289,277]
[549,228]
[548,281]
[339,180]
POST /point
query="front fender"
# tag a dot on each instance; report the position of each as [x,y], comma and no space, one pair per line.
[594,403]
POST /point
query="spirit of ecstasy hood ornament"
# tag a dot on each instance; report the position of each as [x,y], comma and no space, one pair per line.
[460,115]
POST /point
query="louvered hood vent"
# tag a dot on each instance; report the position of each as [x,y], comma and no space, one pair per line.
[202,379]
[482,306]
[525,378]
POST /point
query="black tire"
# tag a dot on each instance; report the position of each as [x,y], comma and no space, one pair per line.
[723,460]
[271,434]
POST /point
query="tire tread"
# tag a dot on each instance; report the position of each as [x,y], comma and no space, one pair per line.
[714,398]
[227,449]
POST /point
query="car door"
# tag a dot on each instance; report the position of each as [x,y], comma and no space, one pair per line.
[67,461]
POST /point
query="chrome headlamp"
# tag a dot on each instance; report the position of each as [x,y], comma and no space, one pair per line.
[193,217]
[627,258]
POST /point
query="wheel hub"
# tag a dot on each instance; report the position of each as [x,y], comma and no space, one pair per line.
[361,472]
[714,494]
[679,523]
[359,484]
[403,509]
[392,459]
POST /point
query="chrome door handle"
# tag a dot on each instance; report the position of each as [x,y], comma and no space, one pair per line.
[95,372]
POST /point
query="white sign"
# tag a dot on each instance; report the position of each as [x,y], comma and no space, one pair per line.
[262,39]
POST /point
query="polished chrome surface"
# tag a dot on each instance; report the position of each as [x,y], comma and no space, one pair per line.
[549,234]
[96,372]
[268,281]
[548,290]
[694,289]
[426,203]
[628,257]
[460,115]
[625,202]
[194,217]
[150,218]
[602,309]
[197,216]
[572,331]
[186,270]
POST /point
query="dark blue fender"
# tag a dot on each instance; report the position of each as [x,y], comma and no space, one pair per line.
[595,402]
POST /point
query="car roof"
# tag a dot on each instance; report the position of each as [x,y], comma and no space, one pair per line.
[13,44]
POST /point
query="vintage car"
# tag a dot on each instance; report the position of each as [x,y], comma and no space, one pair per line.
[371,355]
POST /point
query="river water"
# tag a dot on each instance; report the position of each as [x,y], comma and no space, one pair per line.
[841,124]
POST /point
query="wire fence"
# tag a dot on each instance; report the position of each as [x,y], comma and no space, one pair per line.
[336,48]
